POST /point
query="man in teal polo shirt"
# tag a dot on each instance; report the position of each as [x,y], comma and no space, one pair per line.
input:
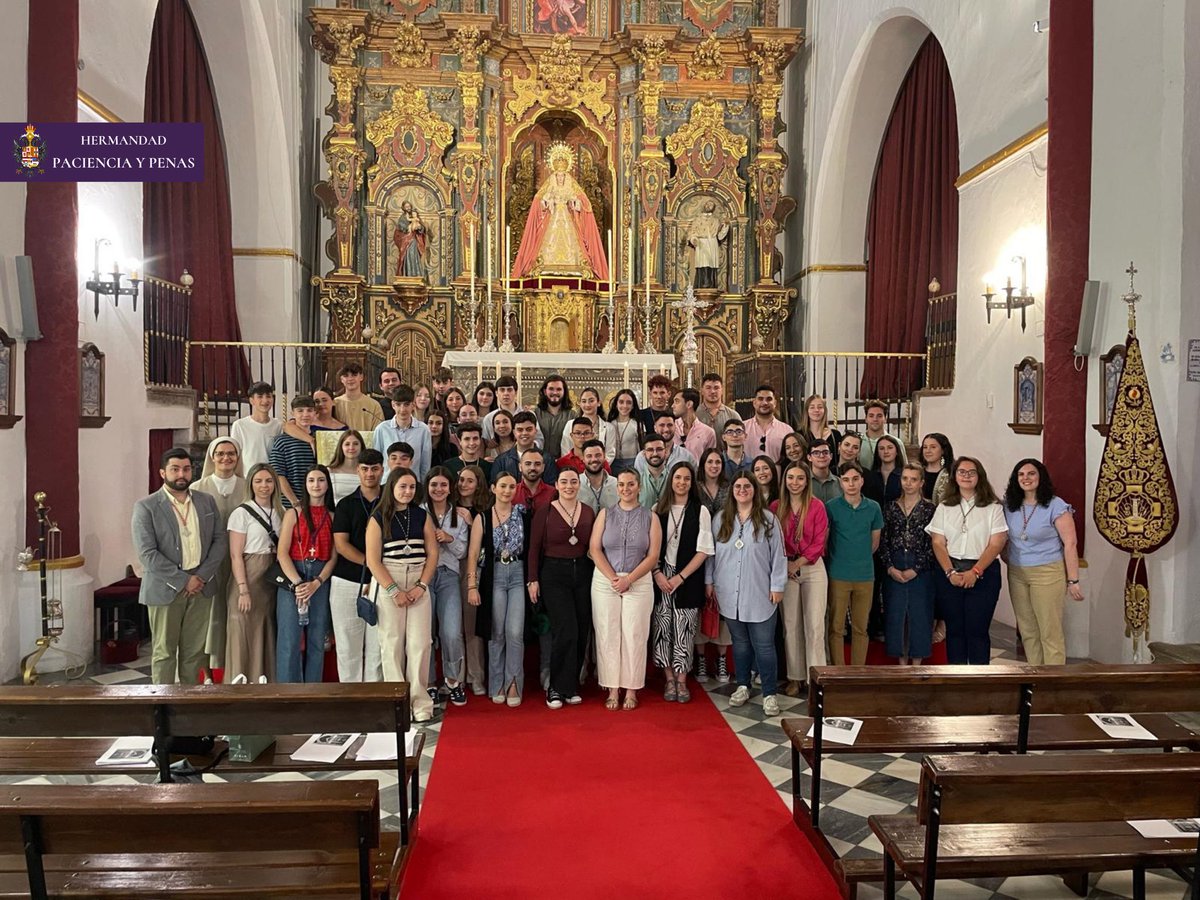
[855,523]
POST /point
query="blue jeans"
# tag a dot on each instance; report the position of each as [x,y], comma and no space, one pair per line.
[288,666]
[446,593]
[506,648]
[968,617]
[910,603]
[754,647]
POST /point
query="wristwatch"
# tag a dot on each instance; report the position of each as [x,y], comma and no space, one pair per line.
[423,586]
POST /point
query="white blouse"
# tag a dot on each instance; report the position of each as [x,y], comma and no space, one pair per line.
[705,543]
[967,528]
[257,539]
[621,440]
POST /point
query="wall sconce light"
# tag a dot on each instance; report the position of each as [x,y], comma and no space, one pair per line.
[111,288]
[1014,298]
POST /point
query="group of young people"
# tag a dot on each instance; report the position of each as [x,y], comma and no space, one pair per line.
[607,539]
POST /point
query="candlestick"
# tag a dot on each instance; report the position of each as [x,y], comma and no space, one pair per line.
[472,345]
[648,338]
[611,346]
[645,383]
[489,345]
[630,346]
[506,346]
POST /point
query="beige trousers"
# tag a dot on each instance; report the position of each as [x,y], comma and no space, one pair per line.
[803,610]
[178,632]
[405,636]
[622,624]
[1037,594]
[855,595]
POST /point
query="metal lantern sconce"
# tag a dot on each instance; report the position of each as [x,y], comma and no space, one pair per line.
[1014,298]
[111,288]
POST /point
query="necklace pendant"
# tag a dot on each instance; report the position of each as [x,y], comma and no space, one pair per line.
[572,540]
[1024,536]
[739,543]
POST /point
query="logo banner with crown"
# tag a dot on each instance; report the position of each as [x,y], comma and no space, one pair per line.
[1136,508]
[88,151]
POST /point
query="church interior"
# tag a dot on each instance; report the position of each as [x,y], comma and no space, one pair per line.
[979,217]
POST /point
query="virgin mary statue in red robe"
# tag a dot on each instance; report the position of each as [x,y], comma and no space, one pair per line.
[560,236]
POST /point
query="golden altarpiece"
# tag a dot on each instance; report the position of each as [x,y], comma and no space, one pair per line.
[445,117]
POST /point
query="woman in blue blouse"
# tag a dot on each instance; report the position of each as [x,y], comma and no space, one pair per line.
[496,584]
[906,556]
[747,577]
[1043,562]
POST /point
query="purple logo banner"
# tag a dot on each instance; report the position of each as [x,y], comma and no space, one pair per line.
[124,151]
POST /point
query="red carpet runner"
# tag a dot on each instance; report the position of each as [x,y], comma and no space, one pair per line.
[584,802]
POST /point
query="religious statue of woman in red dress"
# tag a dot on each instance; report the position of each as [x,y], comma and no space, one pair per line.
[561,237]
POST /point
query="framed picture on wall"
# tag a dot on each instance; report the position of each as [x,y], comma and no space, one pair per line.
[8,380]
[1112,365]
[1029,385]
[91,387]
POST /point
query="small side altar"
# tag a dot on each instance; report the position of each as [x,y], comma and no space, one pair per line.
[607,372]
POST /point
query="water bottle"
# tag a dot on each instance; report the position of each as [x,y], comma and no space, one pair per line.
[302,610]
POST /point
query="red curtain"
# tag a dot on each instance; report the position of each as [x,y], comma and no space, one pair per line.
[912,224]
[52,364]
[187,225]
[1068,235]
[160,441]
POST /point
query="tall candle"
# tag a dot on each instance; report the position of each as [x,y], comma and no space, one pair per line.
[507,263]
[518,382]
[489,256]
[629,269]
[471,257]
[626,374]
[647,266]
[645,383]
[497,368]
[479,372]
[610,268]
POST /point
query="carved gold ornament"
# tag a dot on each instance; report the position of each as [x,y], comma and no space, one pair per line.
[557,81]
[707,123]
[409,51]
[650,53]
[1135,507]
[470,46]
[708,63]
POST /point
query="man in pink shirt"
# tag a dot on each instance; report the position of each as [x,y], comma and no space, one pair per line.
[693,434]
[764,432]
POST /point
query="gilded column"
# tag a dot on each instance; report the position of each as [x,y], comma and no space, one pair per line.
[651,50]
[469,158]
[337,36]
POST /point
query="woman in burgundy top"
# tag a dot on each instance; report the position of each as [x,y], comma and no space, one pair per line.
[560,576]
[805,530]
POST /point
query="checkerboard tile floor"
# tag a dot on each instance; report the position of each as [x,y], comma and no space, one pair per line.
[854,787]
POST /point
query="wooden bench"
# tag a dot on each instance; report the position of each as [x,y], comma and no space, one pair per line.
[1004,816]
[973,709]
[315,839]
[64,728]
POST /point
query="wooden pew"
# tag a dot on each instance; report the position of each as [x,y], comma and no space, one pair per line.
[972,709]
[210,840]
[1004,816]
[64,728]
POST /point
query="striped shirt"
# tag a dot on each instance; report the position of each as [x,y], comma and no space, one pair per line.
[291,458]
[404,536]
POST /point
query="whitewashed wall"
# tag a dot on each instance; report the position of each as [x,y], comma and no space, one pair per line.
[14,42]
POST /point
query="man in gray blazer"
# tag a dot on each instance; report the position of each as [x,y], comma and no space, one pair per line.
[179,540]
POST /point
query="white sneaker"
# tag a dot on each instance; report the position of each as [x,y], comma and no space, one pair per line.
[422,716]
[574,700]
[740,696]
[771,705]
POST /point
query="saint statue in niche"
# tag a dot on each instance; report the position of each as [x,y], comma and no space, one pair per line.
[411,242]
[561,237]
[560,17]
[702,237]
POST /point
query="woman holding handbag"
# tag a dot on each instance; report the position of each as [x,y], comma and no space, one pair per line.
[307,557]
[250,617]
[687,543]
[402,554]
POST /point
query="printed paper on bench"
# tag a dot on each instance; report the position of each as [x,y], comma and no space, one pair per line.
[1121,725]
[324,748]
[1167,828]
[839,729]
[381,746]
[129,753]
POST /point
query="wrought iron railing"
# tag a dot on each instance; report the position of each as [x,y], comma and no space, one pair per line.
[836,377]
[290,367]
[165,311]
[941,337]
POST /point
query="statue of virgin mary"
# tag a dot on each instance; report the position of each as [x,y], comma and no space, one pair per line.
[561,237]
